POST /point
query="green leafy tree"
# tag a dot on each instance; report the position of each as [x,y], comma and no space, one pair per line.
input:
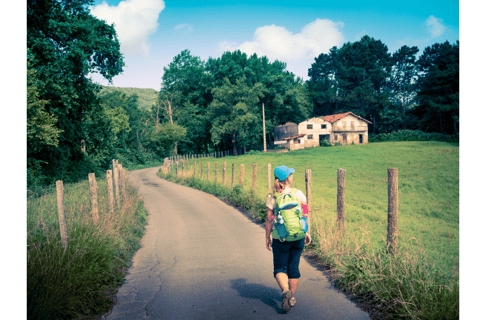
[67,44]
[438,89]
[235,113]
[404,75]
[184,98]
[323,84]
[42,132]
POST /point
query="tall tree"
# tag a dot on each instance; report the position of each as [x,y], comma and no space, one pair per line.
[404,75]
[323,84]
[235,113]
[438,85]
[185,89]
[67,44]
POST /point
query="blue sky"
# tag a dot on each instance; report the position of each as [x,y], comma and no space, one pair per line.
[152,32]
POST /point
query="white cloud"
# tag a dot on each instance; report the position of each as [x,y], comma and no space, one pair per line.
[184,26]
[435,26]
[134,21]
[297,50]
[277,42]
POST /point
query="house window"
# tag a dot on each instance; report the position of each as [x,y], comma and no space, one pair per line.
[324,126]
[336,137]
[310,136]
[309,126]
[297,141]
[352,124]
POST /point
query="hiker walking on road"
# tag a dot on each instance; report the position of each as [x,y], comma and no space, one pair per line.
[287,211]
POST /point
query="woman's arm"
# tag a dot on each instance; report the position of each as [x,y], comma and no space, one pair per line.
[268,228]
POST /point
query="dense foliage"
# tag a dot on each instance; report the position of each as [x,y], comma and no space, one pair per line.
[75,126]
[65,44]
[413,135]
[392,91]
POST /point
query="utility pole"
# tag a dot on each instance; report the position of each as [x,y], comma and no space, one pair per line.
[264,133]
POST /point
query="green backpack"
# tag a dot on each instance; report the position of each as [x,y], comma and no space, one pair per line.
[288,213]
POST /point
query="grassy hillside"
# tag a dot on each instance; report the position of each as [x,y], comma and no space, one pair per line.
[146,97]
[423,280]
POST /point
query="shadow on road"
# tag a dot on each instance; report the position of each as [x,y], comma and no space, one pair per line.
[271,297]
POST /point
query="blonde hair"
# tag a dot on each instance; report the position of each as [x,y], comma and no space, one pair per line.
[279,186]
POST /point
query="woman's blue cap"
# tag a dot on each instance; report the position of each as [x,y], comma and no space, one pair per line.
[282,172]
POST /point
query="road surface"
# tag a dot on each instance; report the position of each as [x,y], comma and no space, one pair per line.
[203,259]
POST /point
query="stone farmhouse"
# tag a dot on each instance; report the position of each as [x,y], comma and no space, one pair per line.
[344,128]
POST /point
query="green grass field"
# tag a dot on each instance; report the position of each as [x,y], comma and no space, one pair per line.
[428,187]
[421,282]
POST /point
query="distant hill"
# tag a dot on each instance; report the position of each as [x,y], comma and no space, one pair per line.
[146,97]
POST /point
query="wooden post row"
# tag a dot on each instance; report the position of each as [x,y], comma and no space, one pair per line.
[254,177]
[111,199]
[392,238]
[233,174]
[242,174]
[93,196]
[61,213]
[224,172]
[121,174]
[116,179]
[308,188]
[341,200]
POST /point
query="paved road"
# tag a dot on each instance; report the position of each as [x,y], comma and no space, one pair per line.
[202,259]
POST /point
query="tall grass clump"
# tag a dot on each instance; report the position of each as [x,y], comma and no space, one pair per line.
[405,285]
[79,281]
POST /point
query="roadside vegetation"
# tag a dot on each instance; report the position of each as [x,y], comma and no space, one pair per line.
[81,281]
[422,281]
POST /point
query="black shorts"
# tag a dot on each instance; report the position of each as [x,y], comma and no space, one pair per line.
[286,257]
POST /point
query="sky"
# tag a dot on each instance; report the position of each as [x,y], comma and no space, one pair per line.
[153,32]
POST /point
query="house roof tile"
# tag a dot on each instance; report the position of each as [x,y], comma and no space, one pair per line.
[335,117]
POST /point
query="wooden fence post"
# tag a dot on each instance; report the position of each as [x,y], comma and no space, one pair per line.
[254,177]
[208,171]
[195,170]
[116,180]
[176,170]
[111,199]
[216,172]
[341,200]
[61,213]
[224,173]
[183,169]
[201,170]
[121,174]
[93,196]
[269,190]
[242,174]
[233,174]
[392,238]
[308,188]
[188,168]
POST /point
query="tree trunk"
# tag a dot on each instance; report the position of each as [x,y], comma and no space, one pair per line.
[234,141]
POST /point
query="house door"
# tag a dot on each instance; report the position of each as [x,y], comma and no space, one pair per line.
[344,140]
[360,138]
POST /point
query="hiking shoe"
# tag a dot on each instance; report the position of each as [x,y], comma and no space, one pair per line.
[292,301]
[287,295]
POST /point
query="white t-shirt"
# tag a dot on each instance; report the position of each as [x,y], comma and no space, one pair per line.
[271,200]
